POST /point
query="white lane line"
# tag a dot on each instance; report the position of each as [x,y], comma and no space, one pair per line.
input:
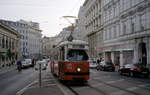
[25,88]
[132,88]
[99,77]
[115,81]
[99,84]
[144,85]
[120,92]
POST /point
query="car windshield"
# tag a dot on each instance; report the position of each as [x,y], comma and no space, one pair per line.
[129,66]
[77,55]
[139,65]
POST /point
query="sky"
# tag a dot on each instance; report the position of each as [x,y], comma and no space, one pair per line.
[46,12]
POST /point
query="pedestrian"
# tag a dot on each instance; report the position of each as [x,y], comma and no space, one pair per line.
[19,65]
[33,62]
[98,61]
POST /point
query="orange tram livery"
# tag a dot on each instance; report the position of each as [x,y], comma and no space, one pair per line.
[70,60]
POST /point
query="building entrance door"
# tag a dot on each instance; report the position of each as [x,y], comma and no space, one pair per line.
[143,53]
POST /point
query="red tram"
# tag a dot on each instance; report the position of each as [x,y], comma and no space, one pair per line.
[70,60]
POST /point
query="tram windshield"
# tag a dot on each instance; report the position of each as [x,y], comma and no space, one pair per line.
[77,55]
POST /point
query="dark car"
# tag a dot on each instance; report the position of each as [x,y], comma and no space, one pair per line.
[134,70]
[106,66]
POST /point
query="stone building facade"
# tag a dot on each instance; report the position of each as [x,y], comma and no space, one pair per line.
[9,46]
[30,37]
[126,31]
[93,27]
[23,30]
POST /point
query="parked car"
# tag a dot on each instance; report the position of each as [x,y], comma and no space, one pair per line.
[92,64]
[24,64]
[28,62]
[43,65]
[134,70]
[106,66]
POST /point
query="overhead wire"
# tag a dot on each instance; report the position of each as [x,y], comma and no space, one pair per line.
[74,7]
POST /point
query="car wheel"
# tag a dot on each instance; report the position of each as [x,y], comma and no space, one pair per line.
[97,68]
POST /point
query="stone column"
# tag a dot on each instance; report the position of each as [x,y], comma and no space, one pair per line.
[148,52]
[112,56]
[121,58]
[104,57]
[136,53]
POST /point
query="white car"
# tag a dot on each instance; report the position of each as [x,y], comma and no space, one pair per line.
[92,64]
[43,65]
[28,61]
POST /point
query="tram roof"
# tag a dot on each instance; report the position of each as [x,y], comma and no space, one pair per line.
[75,42]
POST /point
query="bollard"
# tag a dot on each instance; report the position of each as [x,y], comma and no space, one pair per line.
[40,81]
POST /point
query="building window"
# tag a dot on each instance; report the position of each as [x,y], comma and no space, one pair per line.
[6,43]
[13,45]
[115,34]
[3,43]
[143,22]
[109,36]
[10,44]
[124,28]
[133,25]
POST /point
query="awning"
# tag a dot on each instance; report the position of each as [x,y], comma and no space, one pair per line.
[3,50]
[12,51]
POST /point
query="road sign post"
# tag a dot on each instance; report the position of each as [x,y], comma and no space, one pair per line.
[40,81]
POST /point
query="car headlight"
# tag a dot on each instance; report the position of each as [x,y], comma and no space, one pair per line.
[78,69]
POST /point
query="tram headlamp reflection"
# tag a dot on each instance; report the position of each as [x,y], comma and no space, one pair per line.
[78,69]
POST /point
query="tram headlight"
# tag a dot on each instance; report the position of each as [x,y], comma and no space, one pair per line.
[78,69]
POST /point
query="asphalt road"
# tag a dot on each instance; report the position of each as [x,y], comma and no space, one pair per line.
[13,81]
[109,83]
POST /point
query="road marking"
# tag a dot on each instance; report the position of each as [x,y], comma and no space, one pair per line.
[20,92]
[98,84]
[115,81]
[100,77]
[132,88]
[120,92]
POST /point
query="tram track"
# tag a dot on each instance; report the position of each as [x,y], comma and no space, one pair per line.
[70,87]
[89,86]
[98,90]
[72,90]
[134,93]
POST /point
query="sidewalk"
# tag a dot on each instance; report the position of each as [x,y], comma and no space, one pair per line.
[49,87]
[7,69]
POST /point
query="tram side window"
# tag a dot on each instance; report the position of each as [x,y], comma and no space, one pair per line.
[77,55]
[62,54]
